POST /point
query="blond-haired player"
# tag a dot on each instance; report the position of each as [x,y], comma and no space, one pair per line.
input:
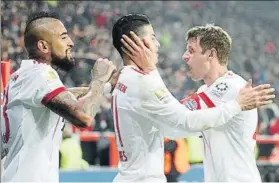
[145,111]
[229,148]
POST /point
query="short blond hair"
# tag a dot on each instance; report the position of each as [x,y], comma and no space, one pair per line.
[212,37]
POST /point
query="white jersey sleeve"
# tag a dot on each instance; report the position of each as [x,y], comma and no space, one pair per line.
[40,89]
[161,107]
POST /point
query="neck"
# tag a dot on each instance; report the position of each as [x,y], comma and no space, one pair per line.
[40,59]
[214,74]
[129,62]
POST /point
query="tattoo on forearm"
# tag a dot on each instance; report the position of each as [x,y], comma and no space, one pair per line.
[64,104]
[78,92]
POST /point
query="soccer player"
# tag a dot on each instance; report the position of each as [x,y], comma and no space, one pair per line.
[36,102]
[228,149]
[144,111]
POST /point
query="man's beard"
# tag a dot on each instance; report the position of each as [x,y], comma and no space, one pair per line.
[66,64]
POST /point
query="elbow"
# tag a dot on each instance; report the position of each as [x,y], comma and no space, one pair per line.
[82,121]
[86,122]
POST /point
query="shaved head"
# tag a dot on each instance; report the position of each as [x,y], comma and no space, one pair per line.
[36,29]
[46,39]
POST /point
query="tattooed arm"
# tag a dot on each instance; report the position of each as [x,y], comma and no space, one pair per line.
[78,91]
[82,111]
[79,112]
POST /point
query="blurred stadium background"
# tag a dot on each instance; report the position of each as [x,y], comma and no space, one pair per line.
[255,54]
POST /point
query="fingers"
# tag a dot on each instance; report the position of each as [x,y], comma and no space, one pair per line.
[131,56]
[136,39]
[249,83]
[127,52]
[261,87]
[131,43]
[265,102]
[104,60]
[266,91]
[267,97]
[127,46]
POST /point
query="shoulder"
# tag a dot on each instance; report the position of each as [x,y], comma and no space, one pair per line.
[149,86]
[139,80]
[227,86]
[37,71]
[44,73]
[201,88]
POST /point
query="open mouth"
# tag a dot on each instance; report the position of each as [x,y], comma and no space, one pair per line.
[69,52]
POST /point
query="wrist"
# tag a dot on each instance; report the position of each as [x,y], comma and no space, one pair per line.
[97,87]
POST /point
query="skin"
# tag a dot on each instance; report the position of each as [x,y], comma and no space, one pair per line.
[203,66]
[148,38]
[54,48]
[248,98]
[53,39]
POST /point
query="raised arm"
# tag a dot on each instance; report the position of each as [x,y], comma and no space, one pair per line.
[81,111]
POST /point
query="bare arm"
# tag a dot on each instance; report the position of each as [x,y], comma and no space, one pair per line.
[80,112]
[78,91]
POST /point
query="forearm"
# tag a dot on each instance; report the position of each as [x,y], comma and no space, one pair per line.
[176,116]
[91,102]
[78,92]
[78,112]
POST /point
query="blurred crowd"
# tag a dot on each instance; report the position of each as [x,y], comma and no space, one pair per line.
[253,27]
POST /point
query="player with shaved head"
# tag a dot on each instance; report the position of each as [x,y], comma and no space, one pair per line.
[36,103]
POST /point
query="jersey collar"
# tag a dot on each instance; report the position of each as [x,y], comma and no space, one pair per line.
[27,63]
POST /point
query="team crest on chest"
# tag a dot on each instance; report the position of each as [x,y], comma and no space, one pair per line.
[192,102]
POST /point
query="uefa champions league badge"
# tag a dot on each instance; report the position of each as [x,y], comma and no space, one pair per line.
[220,89]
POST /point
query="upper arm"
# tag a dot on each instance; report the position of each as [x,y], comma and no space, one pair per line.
[39,88]
[46,89]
